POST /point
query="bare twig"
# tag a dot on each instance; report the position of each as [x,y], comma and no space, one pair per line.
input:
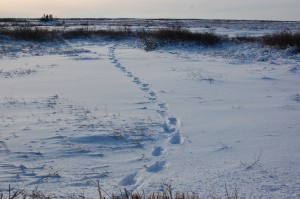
[100,189]
[227,194]
[223,147]
[126,193]
[256,160]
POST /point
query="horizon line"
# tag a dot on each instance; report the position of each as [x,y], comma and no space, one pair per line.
[164,18]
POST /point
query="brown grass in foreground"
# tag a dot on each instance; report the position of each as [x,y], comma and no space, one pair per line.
[102,194]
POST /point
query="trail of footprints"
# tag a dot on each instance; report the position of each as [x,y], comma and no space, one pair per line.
[171,124]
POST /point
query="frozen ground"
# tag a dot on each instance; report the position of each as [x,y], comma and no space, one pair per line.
[192,118]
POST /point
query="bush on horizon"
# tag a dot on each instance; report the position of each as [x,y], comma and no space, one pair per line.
[47,18]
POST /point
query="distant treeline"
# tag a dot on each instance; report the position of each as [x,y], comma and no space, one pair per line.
[151,39]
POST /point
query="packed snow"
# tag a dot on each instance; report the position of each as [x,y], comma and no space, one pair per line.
[187,117]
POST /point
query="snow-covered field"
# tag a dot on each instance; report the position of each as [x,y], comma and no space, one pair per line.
[189,117]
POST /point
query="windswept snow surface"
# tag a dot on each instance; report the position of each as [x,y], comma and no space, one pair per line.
[192,118]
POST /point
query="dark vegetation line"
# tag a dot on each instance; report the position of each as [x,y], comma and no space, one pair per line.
[151,39]
[283,40]
[13,20]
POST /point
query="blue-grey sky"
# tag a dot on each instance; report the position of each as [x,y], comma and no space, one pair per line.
[202,9]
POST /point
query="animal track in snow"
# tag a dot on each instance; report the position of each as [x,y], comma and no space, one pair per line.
[129,180]
[129,74]
[176,138]
[145,87]
[170,125]
[157,151]
[157,167]
[153,94]
[172,122]
[136,80]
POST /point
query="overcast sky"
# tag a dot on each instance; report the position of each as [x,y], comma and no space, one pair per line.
[202,9]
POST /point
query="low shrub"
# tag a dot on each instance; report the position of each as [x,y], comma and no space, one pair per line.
[119,33]
[31,34]
[150,43]
[282,40]
[153,39]
[12,20]
[246,39]
[184,35]
[87,33]
[42,34]
[76,33]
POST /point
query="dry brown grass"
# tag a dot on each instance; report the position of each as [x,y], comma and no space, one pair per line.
[125,194]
